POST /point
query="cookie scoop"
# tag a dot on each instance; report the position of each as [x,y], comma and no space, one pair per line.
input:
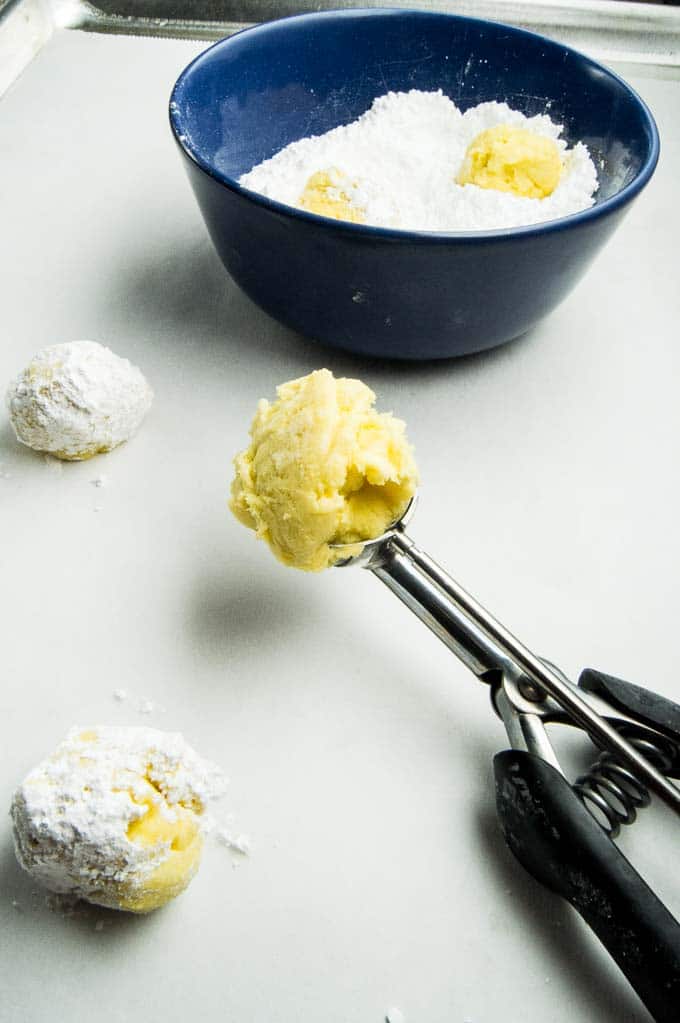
[324,467]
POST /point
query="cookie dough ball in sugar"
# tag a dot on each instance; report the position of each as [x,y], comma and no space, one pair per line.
[76,400]
[509,158]
[330,193]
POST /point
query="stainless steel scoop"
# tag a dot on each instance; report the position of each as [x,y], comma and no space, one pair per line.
[561,833]
[484,645]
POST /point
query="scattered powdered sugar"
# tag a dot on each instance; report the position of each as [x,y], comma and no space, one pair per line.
[235,843]
[145,707]
[143,704]
[399,161]
[72,812]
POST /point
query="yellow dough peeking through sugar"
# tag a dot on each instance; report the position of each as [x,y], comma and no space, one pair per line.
[511,159]
[178,830]
[326,194]
[323,467]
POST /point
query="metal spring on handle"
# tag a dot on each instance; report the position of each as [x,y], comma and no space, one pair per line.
[614,790]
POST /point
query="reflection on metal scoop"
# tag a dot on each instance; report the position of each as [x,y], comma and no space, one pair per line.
[369,550]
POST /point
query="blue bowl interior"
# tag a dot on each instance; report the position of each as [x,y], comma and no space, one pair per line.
[250,95]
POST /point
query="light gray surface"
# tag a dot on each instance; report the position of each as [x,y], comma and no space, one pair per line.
[359,750]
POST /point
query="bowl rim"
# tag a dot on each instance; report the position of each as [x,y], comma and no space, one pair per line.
[368,231]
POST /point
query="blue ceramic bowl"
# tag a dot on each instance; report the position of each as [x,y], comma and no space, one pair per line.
[383,292]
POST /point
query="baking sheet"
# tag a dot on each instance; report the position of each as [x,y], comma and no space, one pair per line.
[359,750]
[606,29]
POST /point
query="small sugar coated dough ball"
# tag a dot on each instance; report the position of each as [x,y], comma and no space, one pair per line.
[115,816]
[512,159]
[323,467]
[326,193]
[76,400]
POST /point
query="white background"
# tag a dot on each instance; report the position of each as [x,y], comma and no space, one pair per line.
[360,751]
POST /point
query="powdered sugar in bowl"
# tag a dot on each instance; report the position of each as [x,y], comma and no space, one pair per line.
[410,292]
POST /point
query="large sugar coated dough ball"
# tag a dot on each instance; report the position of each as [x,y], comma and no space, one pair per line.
[115,816]
[76,400]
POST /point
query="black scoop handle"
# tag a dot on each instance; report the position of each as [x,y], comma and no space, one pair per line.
[555,838]
[642,704]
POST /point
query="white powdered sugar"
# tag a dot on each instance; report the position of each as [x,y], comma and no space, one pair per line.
[399,162]
[71,814]
[235,843]
[77,399]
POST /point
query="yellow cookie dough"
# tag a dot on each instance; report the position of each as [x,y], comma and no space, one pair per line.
[323,467]
[176,829]
[512,159]
[326,193]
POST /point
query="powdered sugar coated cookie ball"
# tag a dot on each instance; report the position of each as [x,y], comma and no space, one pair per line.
[115,816]
[76,400]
